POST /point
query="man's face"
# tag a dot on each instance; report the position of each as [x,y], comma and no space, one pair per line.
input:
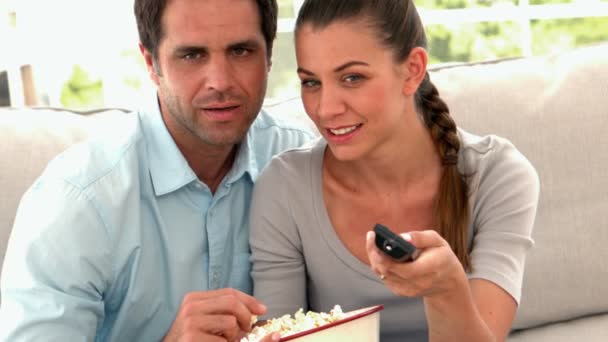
[211,71]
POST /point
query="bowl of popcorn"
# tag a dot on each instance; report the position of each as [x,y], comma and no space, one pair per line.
[362,325]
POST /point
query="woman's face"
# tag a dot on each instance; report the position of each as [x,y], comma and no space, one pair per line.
[352,88]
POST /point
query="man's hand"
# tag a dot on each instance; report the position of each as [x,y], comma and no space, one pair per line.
[220,315]
[274,337]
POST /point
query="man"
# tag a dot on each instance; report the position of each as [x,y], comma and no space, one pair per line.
[143,236]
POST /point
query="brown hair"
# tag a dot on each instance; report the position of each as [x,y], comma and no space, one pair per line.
[148,15]
[400,29]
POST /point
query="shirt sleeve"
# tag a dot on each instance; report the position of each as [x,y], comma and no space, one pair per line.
[56,269]
[503,218]
[278,271]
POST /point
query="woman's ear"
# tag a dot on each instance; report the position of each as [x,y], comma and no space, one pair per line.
[414,70]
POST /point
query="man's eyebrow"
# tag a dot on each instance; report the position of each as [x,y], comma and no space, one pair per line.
[186,49]
[247,43]
[338,69]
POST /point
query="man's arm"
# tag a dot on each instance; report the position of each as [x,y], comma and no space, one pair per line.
[56,269]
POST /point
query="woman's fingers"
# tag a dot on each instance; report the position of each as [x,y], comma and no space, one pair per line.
[411,278]
[373,254]
[424,239]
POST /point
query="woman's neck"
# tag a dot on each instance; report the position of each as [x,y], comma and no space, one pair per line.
[398,165]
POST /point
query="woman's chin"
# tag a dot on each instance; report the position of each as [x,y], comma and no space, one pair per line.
[345,153]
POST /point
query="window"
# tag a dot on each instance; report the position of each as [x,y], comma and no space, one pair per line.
[90,58]
[474,30]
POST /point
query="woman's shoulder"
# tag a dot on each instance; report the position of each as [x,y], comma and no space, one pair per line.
[298,157]
[479,152]
[494,160]
[482,144]
[294,162]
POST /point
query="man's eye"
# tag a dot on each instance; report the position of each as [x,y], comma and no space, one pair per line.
[240,52]
[191,56]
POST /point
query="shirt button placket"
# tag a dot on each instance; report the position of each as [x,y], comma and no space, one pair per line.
[215,274]
[216,280]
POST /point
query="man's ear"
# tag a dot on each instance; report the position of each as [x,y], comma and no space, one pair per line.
[149,60]
[269,62]
[414,70]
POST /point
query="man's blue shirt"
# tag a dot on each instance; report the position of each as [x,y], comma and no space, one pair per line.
[117,230]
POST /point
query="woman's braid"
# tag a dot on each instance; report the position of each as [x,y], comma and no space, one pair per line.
[452,205]
[437,117]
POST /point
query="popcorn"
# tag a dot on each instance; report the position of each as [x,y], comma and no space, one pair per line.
[286,325]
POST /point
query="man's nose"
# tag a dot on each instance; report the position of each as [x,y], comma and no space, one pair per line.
[219,74]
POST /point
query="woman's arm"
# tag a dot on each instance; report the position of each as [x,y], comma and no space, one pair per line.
[455,308]
[278,271]
[503,217]
[480,305]
[483,312]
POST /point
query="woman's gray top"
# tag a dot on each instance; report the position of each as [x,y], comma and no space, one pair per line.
[299,261]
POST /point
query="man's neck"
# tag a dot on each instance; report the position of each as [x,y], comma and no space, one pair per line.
[211,166]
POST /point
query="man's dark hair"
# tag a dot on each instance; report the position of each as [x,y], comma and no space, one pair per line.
[149,13]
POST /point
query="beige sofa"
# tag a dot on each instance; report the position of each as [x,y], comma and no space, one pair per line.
[555,109]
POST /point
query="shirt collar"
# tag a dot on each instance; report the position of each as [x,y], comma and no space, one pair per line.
[244,162]
[169,168]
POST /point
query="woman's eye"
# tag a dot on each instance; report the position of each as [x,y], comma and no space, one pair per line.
[352,78]
[309,83]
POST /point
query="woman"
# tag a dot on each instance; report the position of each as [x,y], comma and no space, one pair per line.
[390,154]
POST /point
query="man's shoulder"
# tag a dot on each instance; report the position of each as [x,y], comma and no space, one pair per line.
[283,124]
[271,134]
[88,162]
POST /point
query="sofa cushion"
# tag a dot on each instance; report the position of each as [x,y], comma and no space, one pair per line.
[555,110]
[585,329]
[30,138]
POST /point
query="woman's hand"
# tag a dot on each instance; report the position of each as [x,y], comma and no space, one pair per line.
[450,303]
[436,272]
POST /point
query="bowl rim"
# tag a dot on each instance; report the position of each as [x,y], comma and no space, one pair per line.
[362,312]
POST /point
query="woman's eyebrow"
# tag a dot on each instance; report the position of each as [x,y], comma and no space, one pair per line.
[349,64]
[338,69]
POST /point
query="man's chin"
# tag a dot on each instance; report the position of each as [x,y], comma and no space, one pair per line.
[226,139]
[224,133]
